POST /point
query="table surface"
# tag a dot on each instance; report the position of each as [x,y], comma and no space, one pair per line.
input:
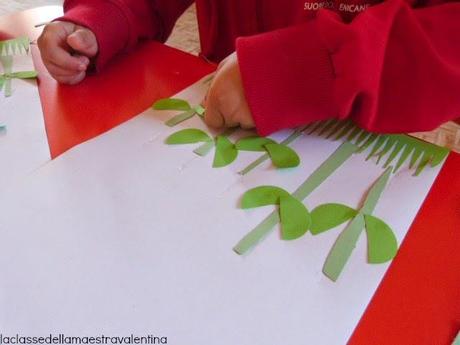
[418,301]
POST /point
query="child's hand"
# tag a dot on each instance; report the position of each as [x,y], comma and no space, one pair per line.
[225,103]
[66,50]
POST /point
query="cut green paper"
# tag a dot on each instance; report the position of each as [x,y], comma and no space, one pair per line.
[382,245]
[172,104]
[329,216]
[294,136]
[14,46]
[346,242]
[8,75]
[23,75]
[200,110]
[256,144]
[188,136]
[204,149]
[295,218]
[383,145]
[283,156]
[334,162]
[226,152]
[263,196]
[180,118]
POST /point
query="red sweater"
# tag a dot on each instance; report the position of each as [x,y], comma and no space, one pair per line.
[391,67]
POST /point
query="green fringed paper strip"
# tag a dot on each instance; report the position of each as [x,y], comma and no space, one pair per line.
[15,46]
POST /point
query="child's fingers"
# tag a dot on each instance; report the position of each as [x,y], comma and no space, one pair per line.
[70,80]
[56,70]
[213,117]
[83,41]
[62,58]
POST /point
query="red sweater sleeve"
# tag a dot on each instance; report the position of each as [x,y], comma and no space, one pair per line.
[392,69]
[120,24]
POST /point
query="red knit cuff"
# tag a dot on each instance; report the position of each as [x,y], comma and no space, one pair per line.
[112,33]
[288,77]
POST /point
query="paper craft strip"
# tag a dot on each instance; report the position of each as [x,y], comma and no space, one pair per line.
[346,242]
[382,145]
[15,46]
[8,75]
[178,105]
[421,153]
[332,164]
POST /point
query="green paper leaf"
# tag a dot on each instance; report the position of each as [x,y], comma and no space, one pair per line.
[329,216]
[253,144]
[295,218]
[282,156]
[329,166]
[346,242]
[171,104]
[226,152]
[289,140]
[382,245]
[188,136]
[263,196]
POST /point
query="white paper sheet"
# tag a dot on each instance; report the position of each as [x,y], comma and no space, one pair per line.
[124,235]
[24,145]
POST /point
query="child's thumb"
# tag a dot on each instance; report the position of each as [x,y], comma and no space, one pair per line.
[83,41]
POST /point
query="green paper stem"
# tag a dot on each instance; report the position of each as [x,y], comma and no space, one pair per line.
[346,242]
[290,139]
[204,149]
[180,118]
[335,161]
[199,110]
[8,75]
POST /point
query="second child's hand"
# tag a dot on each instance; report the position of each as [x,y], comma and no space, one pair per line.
[225,103]
[66,50]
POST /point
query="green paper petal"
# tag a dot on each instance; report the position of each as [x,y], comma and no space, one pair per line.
[226,152]
[171,104]
[382,245]
[295,218]
[263,196]
[282,156]
[188,136]
[329,216]
[253,144]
